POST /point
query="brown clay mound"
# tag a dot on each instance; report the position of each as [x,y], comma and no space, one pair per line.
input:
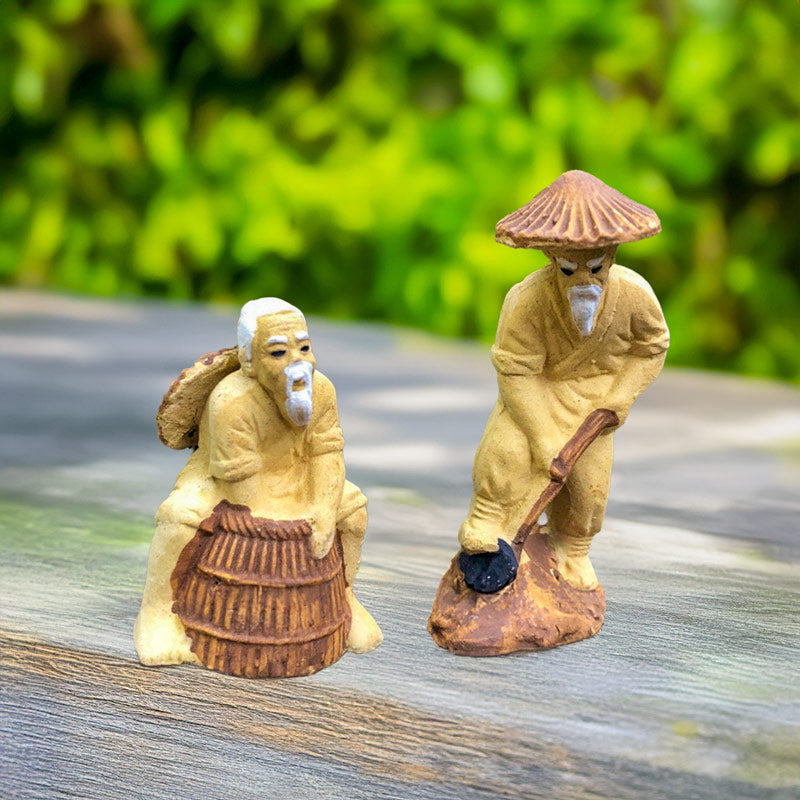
[537,611]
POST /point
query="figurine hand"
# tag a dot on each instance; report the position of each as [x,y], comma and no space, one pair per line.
[489,572]
[543,454]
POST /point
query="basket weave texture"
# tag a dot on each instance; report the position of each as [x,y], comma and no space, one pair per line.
[257,603]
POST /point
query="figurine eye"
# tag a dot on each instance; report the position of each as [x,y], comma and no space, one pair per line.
[596,269]
[305,348]
[567,267]
[278,353]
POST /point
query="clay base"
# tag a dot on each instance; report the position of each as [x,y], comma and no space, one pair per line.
[537,611]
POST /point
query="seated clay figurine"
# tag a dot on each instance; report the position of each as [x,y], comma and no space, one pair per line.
[577,342]
[252,563]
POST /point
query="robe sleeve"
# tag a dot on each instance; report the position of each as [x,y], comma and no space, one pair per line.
[234,435]
[650,335]
[325,435]
[518,349]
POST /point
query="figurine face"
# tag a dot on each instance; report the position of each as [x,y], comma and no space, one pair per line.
[582,267]
[283,363]
[582,276]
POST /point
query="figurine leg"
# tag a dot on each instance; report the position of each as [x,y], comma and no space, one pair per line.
[365,635]
[576,515]
[502,477]
[158,634]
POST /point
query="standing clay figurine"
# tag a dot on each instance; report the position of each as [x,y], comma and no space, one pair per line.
[578,341]
[252,563]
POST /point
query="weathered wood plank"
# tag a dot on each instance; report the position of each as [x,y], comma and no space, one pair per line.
[101,722]
[692,689]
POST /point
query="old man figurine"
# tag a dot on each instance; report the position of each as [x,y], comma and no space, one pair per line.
[268,448]
[580,334]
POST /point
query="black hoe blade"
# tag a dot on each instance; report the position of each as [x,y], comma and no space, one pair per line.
[489,572]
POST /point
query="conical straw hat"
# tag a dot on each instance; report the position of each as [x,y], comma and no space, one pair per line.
[577,211]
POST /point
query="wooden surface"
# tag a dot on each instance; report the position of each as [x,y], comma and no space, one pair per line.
[691,690]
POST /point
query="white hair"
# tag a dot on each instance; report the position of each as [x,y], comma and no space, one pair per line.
[252,312]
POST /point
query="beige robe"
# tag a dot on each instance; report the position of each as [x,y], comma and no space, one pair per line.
[243,434]
[550,377]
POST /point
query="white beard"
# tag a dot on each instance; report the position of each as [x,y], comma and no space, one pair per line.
[299,404]
[584,301]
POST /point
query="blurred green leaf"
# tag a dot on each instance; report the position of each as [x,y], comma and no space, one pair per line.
[355,156]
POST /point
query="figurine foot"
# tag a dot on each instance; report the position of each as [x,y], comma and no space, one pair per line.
[578,572]
[365,635]
[573,563]
[161,640]
[481,530]
[479,537]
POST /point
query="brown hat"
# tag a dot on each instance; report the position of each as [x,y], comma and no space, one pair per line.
[577,211]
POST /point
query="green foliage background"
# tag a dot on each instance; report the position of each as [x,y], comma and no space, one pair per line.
[353,156]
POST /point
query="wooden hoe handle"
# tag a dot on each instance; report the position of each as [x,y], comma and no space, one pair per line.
[560,467]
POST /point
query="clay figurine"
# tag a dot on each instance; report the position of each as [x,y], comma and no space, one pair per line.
[252,563]
[577,342]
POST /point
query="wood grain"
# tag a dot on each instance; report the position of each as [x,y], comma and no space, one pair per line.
[120,714]
[691,689]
